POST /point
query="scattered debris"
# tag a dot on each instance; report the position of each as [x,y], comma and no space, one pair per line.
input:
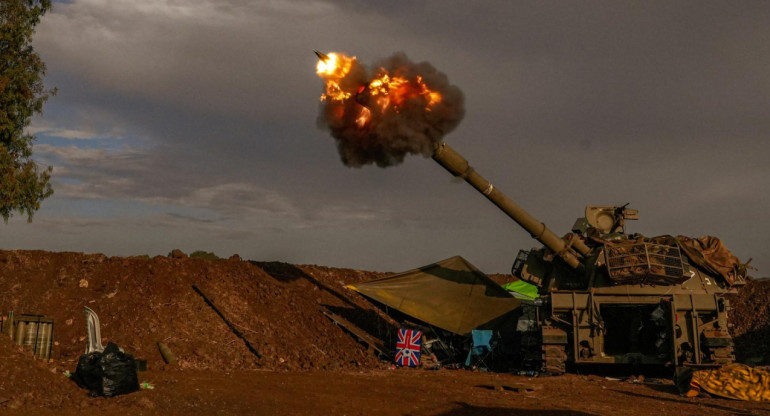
[93,331]
[166,353]
[372,343]
[517,387]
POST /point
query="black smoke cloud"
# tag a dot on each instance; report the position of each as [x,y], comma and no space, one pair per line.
[390,135]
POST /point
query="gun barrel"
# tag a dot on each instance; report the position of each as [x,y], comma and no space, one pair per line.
[458,166]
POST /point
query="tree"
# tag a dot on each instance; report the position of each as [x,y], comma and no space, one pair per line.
[22,185]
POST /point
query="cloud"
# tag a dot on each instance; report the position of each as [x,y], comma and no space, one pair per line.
[204,113]
[133,174]
[204,56]
[61,133]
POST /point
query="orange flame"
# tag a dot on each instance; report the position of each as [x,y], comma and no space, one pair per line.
[397,90]
[363,117]
[386,90]
[333,69]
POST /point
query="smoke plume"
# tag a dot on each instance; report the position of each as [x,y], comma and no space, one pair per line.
[380,115]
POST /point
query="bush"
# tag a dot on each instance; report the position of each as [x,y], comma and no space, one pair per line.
[200,254]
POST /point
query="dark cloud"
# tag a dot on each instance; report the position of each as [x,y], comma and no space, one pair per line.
[664,105]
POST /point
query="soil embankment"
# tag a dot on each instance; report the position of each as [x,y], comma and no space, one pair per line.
[308,365]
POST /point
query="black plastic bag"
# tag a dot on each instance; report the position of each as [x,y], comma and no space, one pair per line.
[88,374]
[109,373]
[119,372]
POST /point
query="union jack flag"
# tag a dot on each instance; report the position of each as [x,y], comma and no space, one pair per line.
[408,347]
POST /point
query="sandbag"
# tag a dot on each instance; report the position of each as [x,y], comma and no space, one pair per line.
[733,381]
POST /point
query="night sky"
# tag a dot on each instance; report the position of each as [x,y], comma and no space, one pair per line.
[191,124]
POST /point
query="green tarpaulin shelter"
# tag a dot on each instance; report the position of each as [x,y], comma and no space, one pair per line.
[452,295]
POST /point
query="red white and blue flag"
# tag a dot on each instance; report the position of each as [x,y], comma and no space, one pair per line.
[408,347]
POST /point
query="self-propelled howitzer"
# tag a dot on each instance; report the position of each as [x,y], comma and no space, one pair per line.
[607,297]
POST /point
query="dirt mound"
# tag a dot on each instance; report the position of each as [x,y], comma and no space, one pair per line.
[277,307]
[25,380]
[750,319]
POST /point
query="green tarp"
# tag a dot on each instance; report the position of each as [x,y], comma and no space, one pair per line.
[522,289]
[452,295]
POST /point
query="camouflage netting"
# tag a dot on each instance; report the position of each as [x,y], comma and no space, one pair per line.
[658,260]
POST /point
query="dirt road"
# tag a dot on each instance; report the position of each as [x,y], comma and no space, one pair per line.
[390,392]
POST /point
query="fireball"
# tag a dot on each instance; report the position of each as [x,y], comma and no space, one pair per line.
[380,114]
[382,94]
